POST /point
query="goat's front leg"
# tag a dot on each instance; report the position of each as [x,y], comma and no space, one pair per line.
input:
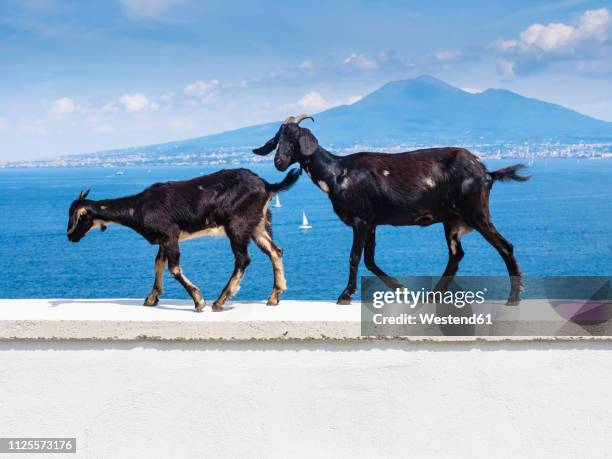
[359,236]
[160,261]
[239,246]
[173,254]
[368,255]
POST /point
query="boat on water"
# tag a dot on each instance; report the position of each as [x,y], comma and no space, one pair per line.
[119,173]
[277,202]
[305,225]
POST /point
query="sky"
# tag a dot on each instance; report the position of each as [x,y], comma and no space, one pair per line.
[83,76]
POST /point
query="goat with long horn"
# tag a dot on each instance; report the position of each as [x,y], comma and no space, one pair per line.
[435,185]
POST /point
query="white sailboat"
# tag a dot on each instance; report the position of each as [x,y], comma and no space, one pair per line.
[277,202]
[305,224]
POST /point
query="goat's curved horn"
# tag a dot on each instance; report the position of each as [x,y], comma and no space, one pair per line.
[298,119]
[84,194]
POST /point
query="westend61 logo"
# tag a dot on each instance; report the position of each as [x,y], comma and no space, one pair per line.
[411,298]
[480,306]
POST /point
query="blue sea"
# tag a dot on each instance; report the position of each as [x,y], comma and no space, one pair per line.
[560,223]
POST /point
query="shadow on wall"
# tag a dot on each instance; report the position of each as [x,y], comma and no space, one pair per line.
[176,305]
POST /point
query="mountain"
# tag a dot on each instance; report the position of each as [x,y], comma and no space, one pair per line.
[426,110]
[415,112]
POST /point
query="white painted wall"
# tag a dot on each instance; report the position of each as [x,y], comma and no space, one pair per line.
[305,399]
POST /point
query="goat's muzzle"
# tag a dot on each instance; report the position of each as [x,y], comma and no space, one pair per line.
[281,164]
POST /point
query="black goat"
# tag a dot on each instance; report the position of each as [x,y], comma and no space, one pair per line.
[435,185]
[230,202]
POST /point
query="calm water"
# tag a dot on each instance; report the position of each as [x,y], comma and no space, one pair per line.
[560,224]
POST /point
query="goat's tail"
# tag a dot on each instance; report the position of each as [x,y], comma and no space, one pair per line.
[510,173]
[287,182]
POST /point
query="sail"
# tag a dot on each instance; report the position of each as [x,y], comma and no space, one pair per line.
[277,202]
[305,224]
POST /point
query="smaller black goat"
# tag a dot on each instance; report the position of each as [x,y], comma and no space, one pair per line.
[231,202]
[434,185]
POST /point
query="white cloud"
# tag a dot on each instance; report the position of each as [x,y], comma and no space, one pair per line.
[145,8]
[549,38]
[594,24]
[306,65]
[557,37]
[313,101]
[137,102]
[583,45]
[201,92]
[450,55]
[62,106]
[360,62]
[504,45]
[201,88]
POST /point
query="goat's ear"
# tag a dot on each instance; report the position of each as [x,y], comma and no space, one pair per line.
[268,147]
[308,142]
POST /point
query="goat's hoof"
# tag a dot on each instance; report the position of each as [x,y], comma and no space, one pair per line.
[151,301]
[200,306]
[514,299]
[272,302]
[344,300]
[217,306]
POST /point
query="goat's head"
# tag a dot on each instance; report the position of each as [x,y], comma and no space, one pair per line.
[81,218]
[292,143]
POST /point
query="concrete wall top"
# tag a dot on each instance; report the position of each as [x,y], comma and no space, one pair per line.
[175,320]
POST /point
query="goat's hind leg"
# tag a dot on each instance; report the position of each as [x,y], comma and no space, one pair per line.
[506,250]
[264,241]
[173,254]
[239,246]
[160,262]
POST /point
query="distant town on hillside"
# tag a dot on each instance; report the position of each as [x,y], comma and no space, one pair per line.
[400,116]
